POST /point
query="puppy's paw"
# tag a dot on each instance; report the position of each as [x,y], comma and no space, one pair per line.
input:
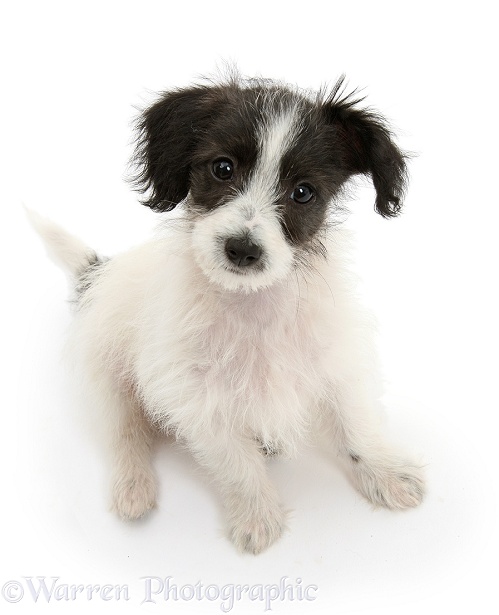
[257,530]
[396,486]
[133,497]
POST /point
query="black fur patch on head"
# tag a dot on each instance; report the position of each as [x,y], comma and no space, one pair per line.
[367,147]
[182,134]
[233,136]
[313,160]
[167,135]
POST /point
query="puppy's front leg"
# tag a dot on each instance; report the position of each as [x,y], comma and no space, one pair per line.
[256,519]
[383,476]
[134,483]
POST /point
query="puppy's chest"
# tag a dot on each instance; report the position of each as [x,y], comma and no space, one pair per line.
[253,363]
[261,353]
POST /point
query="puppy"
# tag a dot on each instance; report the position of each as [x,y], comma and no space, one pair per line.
[235,327]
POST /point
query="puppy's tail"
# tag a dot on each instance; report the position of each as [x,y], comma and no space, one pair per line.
[66,250]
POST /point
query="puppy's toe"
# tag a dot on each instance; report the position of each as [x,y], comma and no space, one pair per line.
[258,532]
[134,496]
[395,487]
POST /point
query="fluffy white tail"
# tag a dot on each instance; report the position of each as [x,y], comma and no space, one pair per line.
[64,249]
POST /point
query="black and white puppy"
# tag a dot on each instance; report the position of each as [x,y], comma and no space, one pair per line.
[236,327]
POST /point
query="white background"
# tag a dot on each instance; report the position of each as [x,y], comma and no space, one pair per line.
[71,74]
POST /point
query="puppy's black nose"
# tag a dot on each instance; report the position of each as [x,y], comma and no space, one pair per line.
[242,252]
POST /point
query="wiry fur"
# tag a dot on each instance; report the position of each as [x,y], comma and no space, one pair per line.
[175,337]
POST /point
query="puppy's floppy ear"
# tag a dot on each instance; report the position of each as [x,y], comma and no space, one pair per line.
[368,148]
[167,133]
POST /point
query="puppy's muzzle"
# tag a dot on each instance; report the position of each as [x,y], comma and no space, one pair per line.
[242,252]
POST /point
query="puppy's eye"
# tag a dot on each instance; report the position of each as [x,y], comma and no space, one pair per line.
[302,194]
[223,169]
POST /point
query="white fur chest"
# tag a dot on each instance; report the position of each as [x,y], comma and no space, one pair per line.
[249,362]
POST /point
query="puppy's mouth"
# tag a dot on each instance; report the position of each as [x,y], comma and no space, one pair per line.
[244,271]
[233,270]
[234,277]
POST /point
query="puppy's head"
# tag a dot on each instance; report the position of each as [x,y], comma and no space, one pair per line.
[257,165]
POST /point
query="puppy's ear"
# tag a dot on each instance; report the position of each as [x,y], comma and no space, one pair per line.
[368,148]
[167,134]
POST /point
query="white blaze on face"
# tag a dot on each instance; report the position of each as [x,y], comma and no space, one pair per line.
[253,211]
[275,138]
